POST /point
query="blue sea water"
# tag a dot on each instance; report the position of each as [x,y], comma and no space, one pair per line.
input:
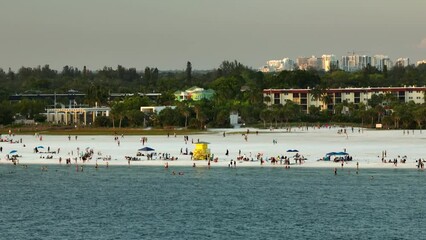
[217,203]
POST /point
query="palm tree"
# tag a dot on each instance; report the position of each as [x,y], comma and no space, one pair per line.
[419,115]
[185,111]
[317,93]
[265,115]
[396,114]
[118,109]
[327,99]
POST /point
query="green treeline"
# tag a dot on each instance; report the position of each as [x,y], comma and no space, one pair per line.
[238,88]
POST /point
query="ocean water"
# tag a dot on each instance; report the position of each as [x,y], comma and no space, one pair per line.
[217,203]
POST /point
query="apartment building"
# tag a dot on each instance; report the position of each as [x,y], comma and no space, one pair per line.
[305,98]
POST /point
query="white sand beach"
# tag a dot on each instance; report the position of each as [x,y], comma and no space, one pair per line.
[366,146]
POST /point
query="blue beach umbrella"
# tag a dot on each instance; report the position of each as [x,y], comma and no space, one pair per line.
[146,149]
[13,151]
[40,147]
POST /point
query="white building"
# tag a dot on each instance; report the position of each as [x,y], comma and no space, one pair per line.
[402,62]
[285,64]
[355,62]
[380,61]
[234,119]
[77,115]
[305,99]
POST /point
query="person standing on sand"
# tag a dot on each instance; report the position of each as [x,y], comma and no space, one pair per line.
[357,167]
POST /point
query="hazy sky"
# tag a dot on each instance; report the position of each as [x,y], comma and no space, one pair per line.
[168,33]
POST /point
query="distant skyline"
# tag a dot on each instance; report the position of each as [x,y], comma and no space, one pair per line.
[168,33]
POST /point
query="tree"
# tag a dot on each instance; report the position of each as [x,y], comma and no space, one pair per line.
[169,117]
[419,115]
[317,92]
[147,75]
[375,100]
[102,121]
[6,113]
[185,111]
[227,88]
[188,72]
[118,110]
[234,68]
[266,116]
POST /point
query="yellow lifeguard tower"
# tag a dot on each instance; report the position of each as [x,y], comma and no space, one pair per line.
[201,151]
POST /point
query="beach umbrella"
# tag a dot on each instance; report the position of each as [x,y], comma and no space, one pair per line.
[146,149]
[40,147]
[13,151]
[292,150]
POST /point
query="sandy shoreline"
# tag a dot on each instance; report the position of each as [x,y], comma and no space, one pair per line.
[365,146]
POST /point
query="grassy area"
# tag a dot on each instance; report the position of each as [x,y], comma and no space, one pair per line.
[97,131]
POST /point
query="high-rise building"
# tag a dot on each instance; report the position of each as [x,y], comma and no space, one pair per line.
[305,63]
[380,61]
[355,62]
[402,62]
[329,62]
[286,64]
[302,63]
[315,63]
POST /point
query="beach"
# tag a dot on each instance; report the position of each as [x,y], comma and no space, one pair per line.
[121,199]
[367,147]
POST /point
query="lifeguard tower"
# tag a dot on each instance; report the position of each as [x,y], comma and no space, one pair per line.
[201,151]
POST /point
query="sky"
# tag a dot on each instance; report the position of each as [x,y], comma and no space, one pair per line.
[168,33]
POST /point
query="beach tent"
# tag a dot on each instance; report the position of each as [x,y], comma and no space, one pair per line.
[337,154]
[328,155]
[146,149]
[341,153]
[40,147]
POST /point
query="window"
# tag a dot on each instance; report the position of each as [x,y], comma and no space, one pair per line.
[277,98]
